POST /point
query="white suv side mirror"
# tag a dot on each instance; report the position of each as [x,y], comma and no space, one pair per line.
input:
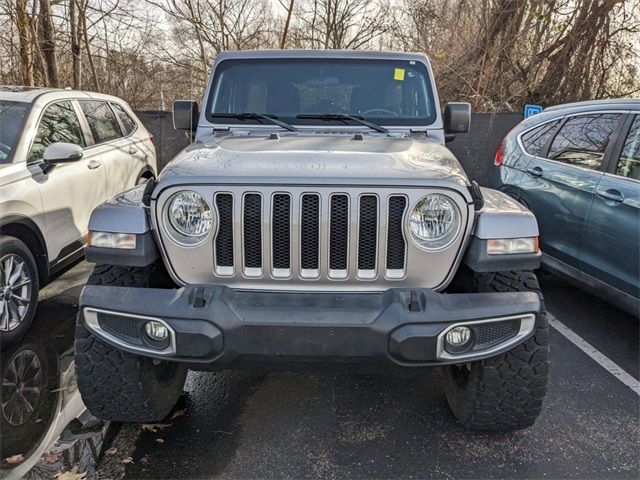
[60,152]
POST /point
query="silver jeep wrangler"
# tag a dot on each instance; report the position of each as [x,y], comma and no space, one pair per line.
[316,220]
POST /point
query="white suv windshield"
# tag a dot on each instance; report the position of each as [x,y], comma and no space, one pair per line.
[387,92]
[11,117]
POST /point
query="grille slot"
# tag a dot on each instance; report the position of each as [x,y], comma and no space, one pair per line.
[281,231]
[396,246]
[224,239]
[252,234]
[368,233]
[339,232]
[310,232]
[489,334]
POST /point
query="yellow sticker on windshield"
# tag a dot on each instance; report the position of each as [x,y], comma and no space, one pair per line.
[398,74]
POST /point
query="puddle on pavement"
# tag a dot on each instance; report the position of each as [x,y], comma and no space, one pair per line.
[45,428]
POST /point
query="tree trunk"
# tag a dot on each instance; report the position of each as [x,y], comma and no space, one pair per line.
[76,66]
[285,31]
[26,53]
[48,45]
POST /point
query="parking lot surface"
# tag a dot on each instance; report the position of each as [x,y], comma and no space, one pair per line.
[302,425]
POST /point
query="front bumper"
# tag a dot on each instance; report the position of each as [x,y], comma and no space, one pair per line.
[219,326]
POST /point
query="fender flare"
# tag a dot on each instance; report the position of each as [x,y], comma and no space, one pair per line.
[43,261]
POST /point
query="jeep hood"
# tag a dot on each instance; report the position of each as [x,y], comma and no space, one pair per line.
[315,159]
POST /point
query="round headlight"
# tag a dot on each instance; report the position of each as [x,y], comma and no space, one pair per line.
[190,216]
[434,221]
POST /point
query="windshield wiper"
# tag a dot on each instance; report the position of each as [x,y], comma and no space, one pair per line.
[257,116]
[327,117]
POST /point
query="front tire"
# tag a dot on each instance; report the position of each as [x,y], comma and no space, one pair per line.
[19,289]
[505,392]
[121,386]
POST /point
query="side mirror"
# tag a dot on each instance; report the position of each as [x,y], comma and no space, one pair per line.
[456,119]
[60,152]
[185,115]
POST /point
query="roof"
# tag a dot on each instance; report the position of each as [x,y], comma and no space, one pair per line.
[361,54]
[607,103]
[18,93]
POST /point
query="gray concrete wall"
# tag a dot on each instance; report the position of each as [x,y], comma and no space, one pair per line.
[475,149]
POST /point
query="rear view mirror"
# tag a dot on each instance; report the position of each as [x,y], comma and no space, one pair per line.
[456,119]
[60,152]
[185,115]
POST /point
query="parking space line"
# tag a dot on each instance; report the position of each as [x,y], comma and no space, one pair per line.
[595,354]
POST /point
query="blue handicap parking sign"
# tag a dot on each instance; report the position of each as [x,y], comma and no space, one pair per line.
[530,110]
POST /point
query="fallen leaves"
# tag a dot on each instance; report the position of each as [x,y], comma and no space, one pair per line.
[72,474]
[127,461]
[160,440]
[179,413]
[111,451]
[13,459]
[154,427]
[51,458]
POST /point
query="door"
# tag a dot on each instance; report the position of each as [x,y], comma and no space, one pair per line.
[117,150]
[140,146]
[559,188]
[612,245]
[70,191]
[109,142]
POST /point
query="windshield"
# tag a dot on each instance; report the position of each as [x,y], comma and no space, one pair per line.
[11,116]
[387,92]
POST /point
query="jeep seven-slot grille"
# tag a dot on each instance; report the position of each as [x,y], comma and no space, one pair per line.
[311,235]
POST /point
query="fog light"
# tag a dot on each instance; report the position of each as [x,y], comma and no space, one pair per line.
[156,331]
[458,336]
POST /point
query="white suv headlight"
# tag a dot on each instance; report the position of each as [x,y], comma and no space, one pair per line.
[190,217]
[434,222]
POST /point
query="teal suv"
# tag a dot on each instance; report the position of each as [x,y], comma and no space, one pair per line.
[577,168]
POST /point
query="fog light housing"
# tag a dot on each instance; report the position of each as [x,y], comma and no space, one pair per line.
[156,331]
[458,339]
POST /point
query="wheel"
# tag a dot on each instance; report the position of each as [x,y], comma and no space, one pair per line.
[505,392]
[19,288]
[121,386]
[29,375]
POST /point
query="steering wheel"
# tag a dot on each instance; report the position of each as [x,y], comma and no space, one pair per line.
[5,148]
[381,110]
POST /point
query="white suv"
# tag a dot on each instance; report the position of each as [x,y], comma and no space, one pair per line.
[62,153]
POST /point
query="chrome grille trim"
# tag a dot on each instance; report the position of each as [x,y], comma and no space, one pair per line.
[198,265]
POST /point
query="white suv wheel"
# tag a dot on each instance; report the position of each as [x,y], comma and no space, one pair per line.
[15,291]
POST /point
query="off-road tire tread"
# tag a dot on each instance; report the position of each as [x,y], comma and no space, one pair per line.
[117,385]
[152,276]
[506,392]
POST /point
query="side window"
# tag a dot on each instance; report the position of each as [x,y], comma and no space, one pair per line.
[127,122]
[583,139]
[59,123]
[101,120]
[534,140]
[629,163]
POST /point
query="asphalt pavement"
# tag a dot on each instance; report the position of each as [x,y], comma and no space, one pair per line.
[282,425]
